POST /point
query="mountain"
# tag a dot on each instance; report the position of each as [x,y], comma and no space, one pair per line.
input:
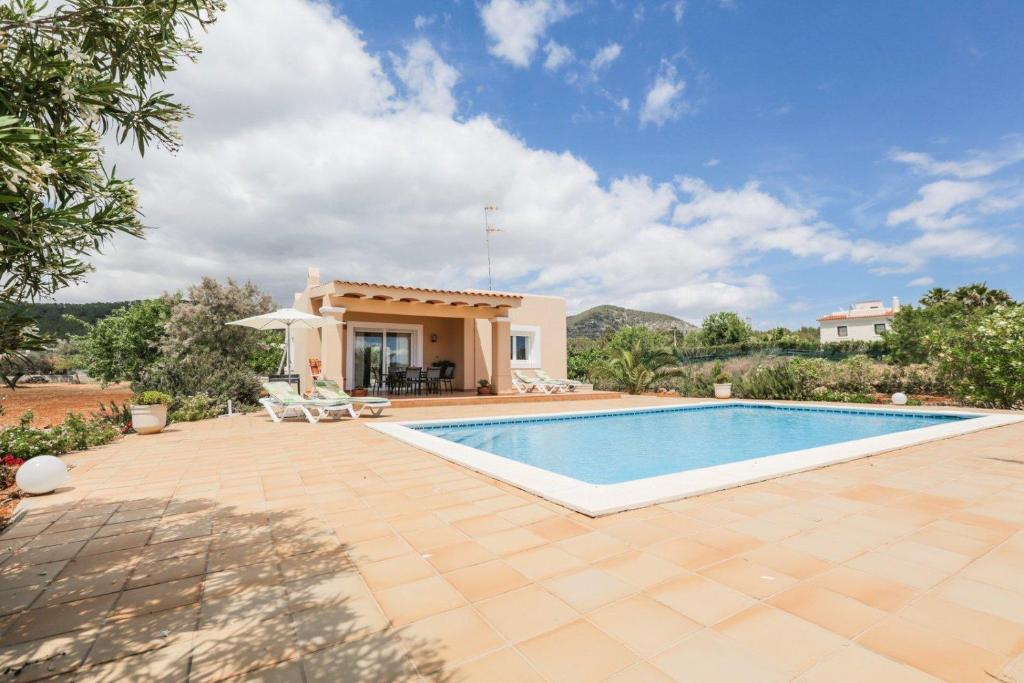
[51,316]
[594,322]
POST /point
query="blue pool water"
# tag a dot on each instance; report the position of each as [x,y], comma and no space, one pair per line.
[618,447]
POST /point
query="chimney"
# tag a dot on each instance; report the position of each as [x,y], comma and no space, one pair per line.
[895,304]
[312,276]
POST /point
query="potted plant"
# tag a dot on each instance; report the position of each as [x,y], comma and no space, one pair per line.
[359,391]
[722,381]
[484,388]
[149,412]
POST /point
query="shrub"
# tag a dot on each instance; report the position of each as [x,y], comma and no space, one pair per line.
[984,361]
[151,398]
[121,346]
[202,373]
[193,408]
[787,381]
[75,433]
[724,328]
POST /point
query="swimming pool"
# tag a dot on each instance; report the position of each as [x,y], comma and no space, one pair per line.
[605,461]
[612,448]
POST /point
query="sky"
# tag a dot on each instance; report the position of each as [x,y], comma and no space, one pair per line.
[782,160]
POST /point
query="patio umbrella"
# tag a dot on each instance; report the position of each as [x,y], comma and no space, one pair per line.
[285,319]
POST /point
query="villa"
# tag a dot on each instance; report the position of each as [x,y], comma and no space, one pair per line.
[485,334]
[864,321]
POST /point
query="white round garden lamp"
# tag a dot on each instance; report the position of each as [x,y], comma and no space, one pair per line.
[899,399]
[42,474]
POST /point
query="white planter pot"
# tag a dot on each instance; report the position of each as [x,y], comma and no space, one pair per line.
[723,390]
[149,419]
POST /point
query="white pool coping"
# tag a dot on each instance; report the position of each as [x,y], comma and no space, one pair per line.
[595,500]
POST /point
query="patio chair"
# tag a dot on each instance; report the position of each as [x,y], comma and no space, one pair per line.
[433,379]
[284,402]
[331,390]
[414,379]
[448,378]
[569,384]
[525,384]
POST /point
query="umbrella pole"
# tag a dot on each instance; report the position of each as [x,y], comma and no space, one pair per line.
[288,347]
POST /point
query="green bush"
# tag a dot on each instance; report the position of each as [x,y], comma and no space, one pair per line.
[74,434]
[202,373]
[984,360]
[151,398]
[193,408]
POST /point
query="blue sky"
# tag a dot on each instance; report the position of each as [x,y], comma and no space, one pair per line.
[792,157]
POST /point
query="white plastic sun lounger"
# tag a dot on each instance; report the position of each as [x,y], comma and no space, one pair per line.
[330,390]
[569,384]
[284,402]
[525,384]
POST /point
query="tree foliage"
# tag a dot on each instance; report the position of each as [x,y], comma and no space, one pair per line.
[636,365]
[120,347]
[69,76]
[725,327]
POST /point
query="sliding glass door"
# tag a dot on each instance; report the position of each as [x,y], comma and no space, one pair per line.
[375,349]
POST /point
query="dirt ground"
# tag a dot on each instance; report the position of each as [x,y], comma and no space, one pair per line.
[50,402]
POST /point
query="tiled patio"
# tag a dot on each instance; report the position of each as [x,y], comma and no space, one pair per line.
[239,549]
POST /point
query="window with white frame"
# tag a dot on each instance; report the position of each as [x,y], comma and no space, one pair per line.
[842,330]
[879,328]
[525,346]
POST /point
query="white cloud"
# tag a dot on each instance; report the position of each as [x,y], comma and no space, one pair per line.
[937,200]
[979,165]
[711,163]
[421,22]
[678,10]
[925,281]
[605,56]
[427,77]
[515,27]
[662,101]
[374,178]
[557,56]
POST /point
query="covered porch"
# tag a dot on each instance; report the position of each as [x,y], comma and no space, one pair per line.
[387,331]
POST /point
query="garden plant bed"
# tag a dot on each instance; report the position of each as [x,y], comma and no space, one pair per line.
[49,402]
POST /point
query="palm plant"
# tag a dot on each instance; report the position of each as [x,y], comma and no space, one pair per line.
[637,367]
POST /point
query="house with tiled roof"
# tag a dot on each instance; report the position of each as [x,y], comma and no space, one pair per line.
[863,321]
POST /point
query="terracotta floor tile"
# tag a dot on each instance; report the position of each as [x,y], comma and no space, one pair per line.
[709,656]
[688,553]
[836,612]
[557,529]
[240,647]
[762,628]
[285,672]
[700,599]
[643,624]
[639,673]
[117,639]
[503,666]
[932,652]
[749,577]
[325,590]
[218,583]
[395,571]
[418,599]
[593,546]
[638,534]
[17,599]
[856,664]
[510,541]
[255,603]
[458,555]
[450,638]
[50,553]
[984,597]
[378,549]
[57,619]
[83,586]
[172,569]
[161,596]
[577,651]
[486,580]
[868,588]
[641,569]
[377,657]
[44,658]
[540,563]
[29,575]
[589,589]
[978,628]
[897,570]
[526,613]
[355,618]
[484,524]
[788,561]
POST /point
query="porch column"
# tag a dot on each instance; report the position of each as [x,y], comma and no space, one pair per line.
[501,354]
[331,345]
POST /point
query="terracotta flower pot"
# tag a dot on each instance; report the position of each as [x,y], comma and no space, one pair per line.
[723,390]
[149,419]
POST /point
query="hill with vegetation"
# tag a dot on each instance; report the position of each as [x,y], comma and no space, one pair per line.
[52,322]
[598,321]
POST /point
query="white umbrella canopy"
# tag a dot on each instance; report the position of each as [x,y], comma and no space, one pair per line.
[285,319]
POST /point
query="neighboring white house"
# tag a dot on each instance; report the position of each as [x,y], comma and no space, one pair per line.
[864,321]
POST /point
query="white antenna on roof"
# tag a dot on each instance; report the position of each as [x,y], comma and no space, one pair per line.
[488,230]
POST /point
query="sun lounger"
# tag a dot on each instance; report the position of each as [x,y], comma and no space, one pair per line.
[524,384]
[329,389]
[569,384]
[284,402]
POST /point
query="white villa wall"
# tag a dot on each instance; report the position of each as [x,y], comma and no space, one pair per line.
[858,329]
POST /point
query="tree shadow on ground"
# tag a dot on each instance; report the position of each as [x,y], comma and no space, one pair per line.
[215,591]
